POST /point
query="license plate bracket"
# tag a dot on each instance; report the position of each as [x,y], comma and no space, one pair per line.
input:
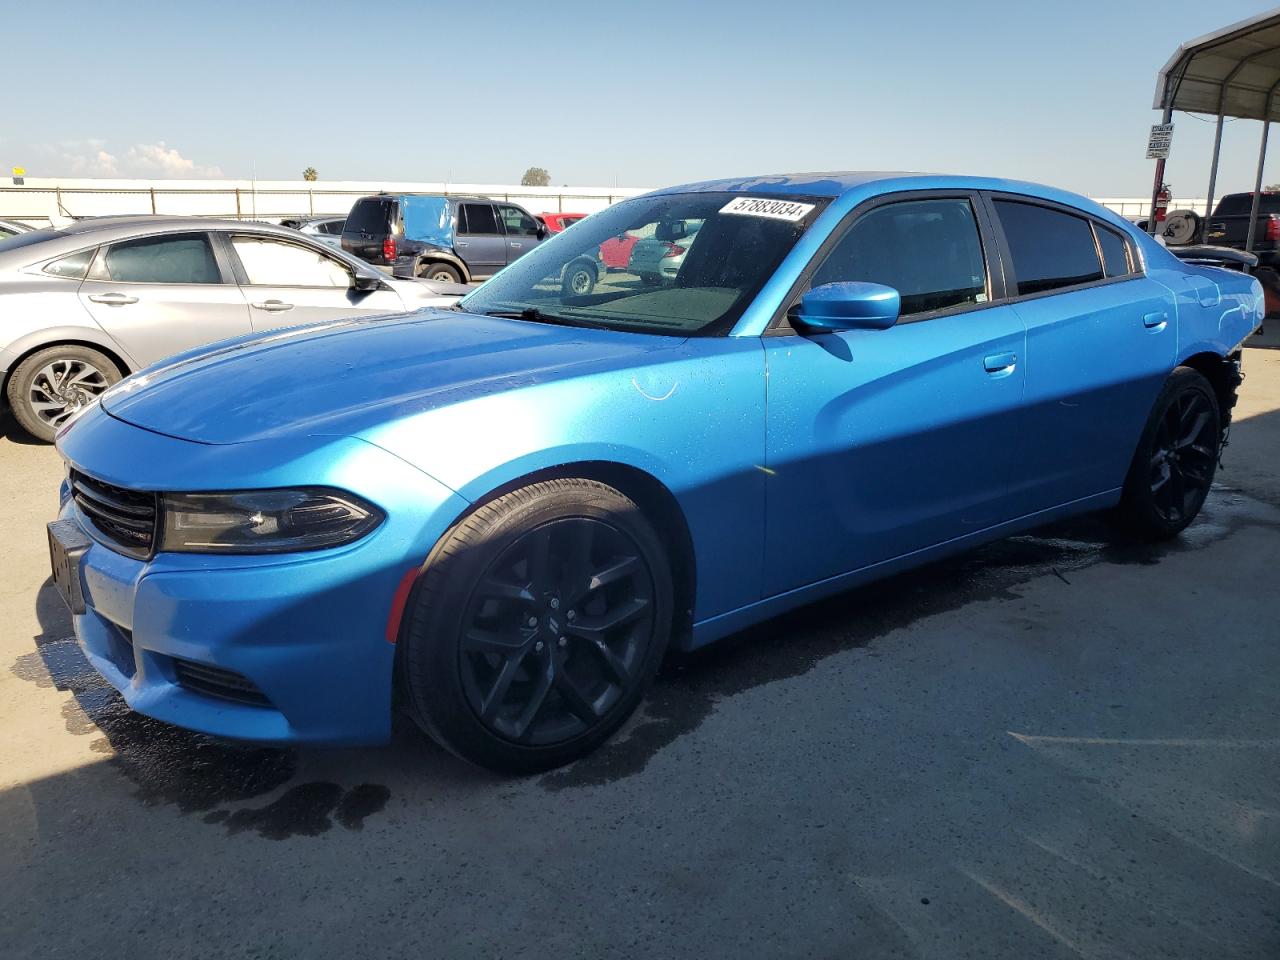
[67,544]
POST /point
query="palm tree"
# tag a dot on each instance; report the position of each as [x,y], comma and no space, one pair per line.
[310,174]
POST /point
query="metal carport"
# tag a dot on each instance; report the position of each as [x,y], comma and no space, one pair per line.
[1233,72]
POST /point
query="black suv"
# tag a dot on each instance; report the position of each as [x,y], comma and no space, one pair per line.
[452,239]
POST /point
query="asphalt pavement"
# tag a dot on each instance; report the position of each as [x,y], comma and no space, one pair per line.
[1060,745]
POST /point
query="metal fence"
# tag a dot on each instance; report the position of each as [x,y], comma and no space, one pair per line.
[39,205]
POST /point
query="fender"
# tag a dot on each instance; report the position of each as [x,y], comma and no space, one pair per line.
[429,252]
[93,336]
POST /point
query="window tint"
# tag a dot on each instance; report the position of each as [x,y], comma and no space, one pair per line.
[74,266]
[1050,249]
[927,250]
[333,227]
[1239,204]
[517,222]
[275,264]
[184,258]
[1115,255]
[479,218]
[371,215]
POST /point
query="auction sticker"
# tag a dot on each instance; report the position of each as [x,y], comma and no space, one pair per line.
[773,209]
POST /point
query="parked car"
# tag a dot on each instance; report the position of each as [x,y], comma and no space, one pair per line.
[1228,225]
[657,259]
[87,304]
[9,228]
[449,239]
[615,252]
[558,222]
[503,515]
[326,230]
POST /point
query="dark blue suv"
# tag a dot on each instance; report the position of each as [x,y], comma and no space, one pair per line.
[452,239]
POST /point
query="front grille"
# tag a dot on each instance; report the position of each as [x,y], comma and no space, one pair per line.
[216,682]
[126,518]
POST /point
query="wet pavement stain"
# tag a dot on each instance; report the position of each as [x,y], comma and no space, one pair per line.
[169,766]
[690,685]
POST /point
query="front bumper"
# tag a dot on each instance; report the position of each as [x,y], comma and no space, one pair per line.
[306,632]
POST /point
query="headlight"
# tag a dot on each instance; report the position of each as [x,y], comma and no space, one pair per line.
[264,521]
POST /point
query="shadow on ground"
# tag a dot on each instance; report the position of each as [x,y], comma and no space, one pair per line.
[219,781]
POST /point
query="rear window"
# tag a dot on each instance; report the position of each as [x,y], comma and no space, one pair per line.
[373,215]
[1050,249]
[1239,204]
[1115,254]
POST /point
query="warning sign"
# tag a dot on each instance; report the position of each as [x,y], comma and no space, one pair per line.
[1160,141]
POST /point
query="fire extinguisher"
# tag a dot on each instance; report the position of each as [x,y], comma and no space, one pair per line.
[1162,202]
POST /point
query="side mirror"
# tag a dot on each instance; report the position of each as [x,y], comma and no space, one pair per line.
[542,231]
[365,282]
[849,306]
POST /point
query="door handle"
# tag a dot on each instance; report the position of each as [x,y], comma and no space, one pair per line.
[272,306]
[1155,321]
[460,243]
[112,299]
[1000,363]
[515,244]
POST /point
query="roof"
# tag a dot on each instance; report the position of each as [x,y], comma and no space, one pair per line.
[1235,70]
[824,184]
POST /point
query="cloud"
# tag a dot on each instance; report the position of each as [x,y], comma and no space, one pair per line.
[91,158]
[157,159]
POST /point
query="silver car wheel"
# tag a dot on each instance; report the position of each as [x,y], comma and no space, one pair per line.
[62,388]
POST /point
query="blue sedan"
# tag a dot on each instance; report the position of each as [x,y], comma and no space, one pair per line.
[502,515]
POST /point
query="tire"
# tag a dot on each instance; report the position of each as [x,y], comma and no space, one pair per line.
[441,272]
[1177,456]
[512,657]
[54,384]
[649,279]
[579,279]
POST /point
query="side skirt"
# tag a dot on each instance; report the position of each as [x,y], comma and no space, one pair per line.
[715,628]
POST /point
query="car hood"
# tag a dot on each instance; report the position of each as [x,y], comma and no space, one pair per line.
[345,376]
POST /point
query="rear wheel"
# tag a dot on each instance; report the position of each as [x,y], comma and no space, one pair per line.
[537,626]
[441,272]
[1176,458]
[54,384]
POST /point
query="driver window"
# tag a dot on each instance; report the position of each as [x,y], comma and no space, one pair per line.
[928,250]
[272,263]
[517,222]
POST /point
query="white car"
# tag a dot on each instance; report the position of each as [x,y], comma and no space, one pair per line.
[85,305]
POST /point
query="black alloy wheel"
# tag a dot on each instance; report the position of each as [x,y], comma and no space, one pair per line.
[536,625]
[555,631]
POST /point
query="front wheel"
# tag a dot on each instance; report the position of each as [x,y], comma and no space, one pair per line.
[537,626]
[54,384]
[579,278]
[1176,458]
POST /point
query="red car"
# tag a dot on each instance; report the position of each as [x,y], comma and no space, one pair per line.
[559,221]
[615,253]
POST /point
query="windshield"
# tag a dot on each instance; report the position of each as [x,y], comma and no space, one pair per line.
[675,264]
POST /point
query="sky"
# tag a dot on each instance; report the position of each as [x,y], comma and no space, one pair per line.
[607,93]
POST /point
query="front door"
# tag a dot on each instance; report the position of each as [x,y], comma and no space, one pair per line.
[164,294]
[884,442]
[521,229]
[480,242]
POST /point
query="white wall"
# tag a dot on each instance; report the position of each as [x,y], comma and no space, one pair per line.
[42,199]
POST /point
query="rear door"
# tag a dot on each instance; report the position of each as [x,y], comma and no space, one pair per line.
[1101,339]
[480,241]
[287,283]
[521,230]
[160,295]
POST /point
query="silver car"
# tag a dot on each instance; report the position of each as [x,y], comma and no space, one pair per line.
[326,230]
[9,228]
[658,259]
[86,305]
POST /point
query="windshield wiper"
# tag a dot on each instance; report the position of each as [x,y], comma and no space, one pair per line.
[537,316]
